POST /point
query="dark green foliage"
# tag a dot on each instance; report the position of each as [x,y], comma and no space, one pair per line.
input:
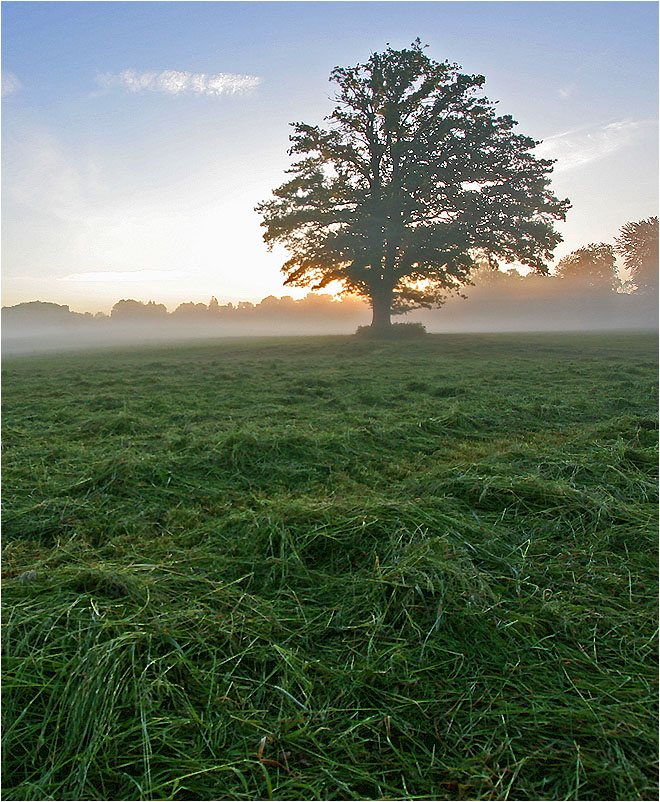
[593,267]
[637,243]
[414,179]
[423,570]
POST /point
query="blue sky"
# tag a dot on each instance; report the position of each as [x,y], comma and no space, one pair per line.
[131,169]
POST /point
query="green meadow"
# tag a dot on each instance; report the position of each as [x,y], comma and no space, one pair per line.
[332,568]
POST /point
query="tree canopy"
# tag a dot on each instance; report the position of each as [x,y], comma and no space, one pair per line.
[413,180]
[638,245]
[592,266]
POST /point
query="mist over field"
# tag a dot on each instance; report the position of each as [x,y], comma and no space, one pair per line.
[497,302]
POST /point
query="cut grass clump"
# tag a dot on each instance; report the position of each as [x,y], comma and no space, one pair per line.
[108,584]
[428,574]
[112,422]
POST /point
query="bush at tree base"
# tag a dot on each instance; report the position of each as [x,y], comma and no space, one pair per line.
[397,331]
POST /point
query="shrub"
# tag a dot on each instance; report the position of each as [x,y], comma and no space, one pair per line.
[397,331]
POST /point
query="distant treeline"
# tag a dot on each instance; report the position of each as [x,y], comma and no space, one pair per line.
[39,326]
[570,300]
[129,310]
[496,300]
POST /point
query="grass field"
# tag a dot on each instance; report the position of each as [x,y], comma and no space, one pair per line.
[332,569]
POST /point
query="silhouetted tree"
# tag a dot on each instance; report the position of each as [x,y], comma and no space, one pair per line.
[483,275]
[191,310]
[268,304]
[41,312]
[593,266]
[415,177]
[638,245]
[42,309]
[137,310]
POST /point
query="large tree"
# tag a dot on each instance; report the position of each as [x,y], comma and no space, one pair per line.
[413,180]
[638,245]
[593,267]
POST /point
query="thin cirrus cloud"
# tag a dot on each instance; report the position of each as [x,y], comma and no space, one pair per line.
[10,83]
[581,146]
[173,82]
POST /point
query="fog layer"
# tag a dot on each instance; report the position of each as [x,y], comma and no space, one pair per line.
[497,302]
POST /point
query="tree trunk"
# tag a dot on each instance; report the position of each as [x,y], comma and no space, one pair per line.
[381,305]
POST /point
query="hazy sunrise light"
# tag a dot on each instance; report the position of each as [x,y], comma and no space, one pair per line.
[138,137]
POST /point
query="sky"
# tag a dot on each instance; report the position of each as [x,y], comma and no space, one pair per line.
[137,137]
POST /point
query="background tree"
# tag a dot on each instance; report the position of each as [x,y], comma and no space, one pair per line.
[138,311]
[415,177]
[593,266]
[638,245]
[191,311]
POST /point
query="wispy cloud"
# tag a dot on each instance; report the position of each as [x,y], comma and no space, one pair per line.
[172,82]
[583,145]
[10,83]
[124,276]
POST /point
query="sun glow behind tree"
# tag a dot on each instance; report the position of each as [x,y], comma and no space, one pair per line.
[412,181]
[134,171]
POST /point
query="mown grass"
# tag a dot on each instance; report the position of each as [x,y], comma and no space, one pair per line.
[332,569]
